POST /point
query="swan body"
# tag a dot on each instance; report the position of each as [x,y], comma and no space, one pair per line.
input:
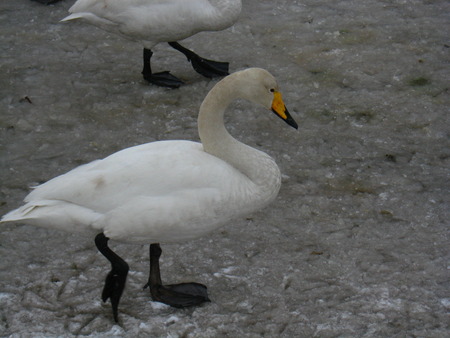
[165,191]
[154,21]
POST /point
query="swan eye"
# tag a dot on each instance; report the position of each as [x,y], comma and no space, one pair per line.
[272,90]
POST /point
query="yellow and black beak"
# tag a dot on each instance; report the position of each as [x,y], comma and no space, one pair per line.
[280,109]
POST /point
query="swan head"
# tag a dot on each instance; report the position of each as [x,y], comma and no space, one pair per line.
[260,87]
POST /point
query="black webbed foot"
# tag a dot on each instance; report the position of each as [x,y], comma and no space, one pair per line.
[47,2]
[180,295]
[163,79]
[209,68]
[176,295]
[113,289]
[205,67]
[116,278]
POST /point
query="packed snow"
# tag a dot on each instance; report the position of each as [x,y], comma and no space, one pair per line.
[356,244]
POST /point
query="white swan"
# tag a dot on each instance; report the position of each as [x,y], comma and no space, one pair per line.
[166,191]
[153,21]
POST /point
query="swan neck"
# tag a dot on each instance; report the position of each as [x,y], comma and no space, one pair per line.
[259,167]
[211,127]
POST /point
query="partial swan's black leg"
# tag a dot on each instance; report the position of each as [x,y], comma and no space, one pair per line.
[176,295]
[207,68]
[115,280]
[164,79]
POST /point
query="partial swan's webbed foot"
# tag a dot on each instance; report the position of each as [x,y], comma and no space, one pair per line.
[176,295]
[205,67]
[162,79]
[180,295]
[116,278]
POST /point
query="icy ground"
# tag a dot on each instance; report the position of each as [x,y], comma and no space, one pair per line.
[356,245]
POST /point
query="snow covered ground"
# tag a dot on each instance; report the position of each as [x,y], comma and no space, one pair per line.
[356,245]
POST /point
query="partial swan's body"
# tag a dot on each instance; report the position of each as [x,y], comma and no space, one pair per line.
[167,191]
[132,196]
[154,21]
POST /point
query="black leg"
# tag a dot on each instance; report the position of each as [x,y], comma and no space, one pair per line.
[164,79]
[115,280]
[207,68]
[176,295]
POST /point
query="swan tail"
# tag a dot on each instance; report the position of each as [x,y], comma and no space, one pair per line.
[54,214]
[74,16]
[93,20]
[18,214]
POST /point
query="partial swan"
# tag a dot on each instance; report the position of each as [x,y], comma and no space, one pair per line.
[153,21]
[166,191]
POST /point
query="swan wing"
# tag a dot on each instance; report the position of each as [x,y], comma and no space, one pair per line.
[162,181]
[154,168]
